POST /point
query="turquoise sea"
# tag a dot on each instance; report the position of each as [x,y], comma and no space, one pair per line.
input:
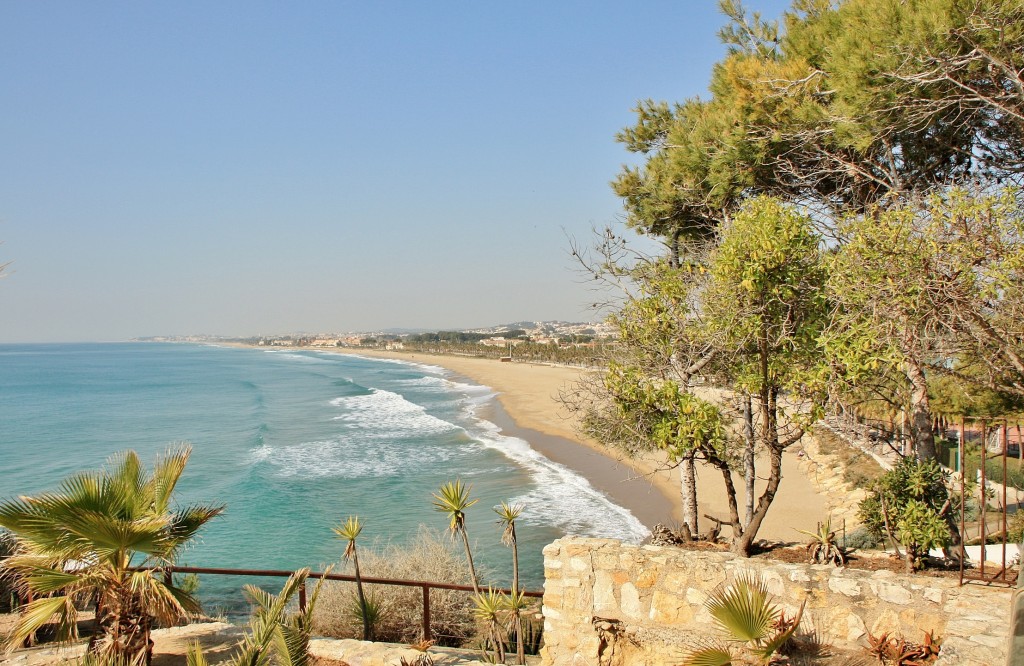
[292,442]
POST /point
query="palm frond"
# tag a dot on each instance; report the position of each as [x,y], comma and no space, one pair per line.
[507,516]
[709,656]
[195,655]
[453,499]
[37,613]
[743,610]
[166,472]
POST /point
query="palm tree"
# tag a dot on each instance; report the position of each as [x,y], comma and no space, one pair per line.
[453,499]
[86,542]
[350,532]
[507,515]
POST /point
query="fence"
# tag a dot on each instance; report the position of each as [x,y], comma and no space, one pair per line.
[425,586]
[990,434]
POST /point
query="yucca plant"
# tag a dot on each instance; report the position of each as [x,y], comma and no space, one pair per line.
[507,515]
[822,547]
[349,532]
[85,542]
[487,608]
[274,635]
[453,499]
[745,612]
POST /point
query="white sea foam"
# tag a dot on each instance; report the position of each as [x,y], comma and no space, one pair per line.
[348,458]
[384,414]
[561,496]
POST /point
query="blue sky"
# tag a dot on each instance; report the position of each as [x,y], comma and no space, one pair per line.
[257,168]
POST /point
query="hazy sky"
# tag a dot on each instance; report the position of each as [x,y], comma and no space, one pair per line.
[242,168]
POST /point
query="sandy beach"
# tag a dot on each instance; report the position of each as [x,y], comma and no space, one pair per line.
[529,409]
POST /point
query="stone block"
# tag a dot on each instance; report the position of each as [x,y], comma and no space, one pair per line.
[845,586]
[629,601]
[604,593]
[894,594]
[578,564]
[669,608]
[647,579]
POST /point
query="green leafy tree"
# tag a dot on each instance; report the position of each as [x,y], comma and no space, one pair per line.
[927,290]
[83,542]
[453,499]
[748,315]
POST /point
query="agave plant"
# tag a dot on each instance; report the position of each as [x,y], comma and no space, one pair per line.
[349,532]
[453,499]
[487,608]
[274,633]
[822,547]
[745,612]
[95,539]
[507,515]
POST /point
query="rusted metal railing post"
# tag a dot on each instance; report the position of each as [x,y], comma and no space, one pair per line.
[168,576]
[302,597]
[426,613]
[962,459]
[984,499]
[1006,482]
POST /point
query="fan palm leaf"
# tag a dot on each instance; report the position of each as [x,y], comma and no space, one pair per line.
[742,609]
[80,542]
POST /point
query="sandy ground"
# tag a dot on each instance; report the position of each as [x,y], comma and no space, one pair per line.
[528,394]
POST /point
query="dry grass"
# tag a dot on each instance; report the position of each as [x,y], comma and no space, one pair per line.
[429,556]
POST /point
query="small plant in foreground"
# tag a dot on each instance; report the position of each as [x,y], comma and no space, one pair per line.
[274,633]
[488,608]
[745,612]
[894,649]
[453,499]
[822,547]
[82,542]
[350,532]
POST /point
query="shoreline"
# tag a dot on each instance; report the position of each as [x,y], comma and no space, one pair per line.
[527,397]
[526,407]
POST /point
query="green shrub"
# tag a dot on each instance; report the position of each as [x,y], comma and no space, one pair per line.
[905,504]
[861,538]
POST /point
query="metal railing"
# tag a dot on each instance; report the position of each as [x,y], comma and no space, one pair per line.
[1003,573]
[425,586]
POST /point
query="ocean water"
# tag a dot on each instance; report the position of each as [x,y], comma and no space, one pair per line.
[291,442]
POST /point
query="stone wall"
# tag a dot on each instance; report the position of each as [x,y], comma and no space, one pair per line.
[606,603]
